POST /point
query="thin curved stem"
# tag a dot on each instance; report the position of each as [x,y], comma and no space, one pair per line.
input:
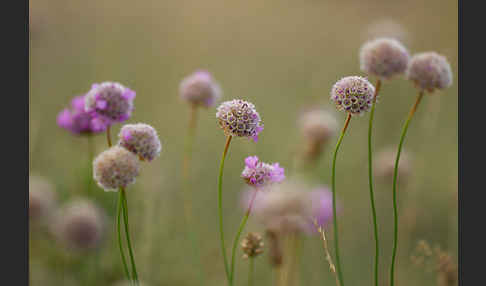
[118,228]
[251,271]
[220,207]
[187,206]
[108,135]
[333,179]
[395,174]
[238,234]
[127,233]
[370,176]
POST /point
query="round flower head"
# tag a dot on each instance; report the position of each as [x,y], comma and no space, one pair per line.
[321,199]
[429,71]
[239,118]
[318,125]
[384,165]
[78,121]
[252,245]
[200,88]
[141,139]
[110,101]
[79,225]
[384,58]
[257,173]
[115,168]
[353,94]
[284,208]
[42,198]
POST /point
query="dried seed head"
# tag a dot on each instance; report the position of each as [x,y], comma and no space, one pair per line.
[42,198]
[141,139]
[257,173]
[430,71]
[110,101]
[200,88]
[79,225]
[252,245]
[384,58]
[353,94]
[318,125]
[115,168]
[384,165]
[239,118]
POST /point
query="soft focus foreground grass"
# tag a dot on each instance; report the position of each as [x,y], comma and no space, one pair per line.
[281,55]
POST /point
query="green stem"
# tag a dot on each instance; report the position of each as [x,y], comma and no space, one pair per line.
[220,207]
[91,186]
[370,176]
[127,233]
[186,189]
[333,179]
[238,234]
[251,271]
[118,228]
[395,174]
[108,135]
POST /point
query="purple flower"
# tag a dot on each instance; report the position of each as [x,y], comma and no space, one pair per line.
[321,199]
[257,173]
[239,118]
[78,121]
[200,88]
[110,101]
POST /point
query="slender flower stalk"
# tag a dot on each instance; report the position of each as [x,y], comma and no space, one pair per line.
[108,135]
[395,175]
[251,271]
[336,235]
[127,233]
[332,267]
[220,206]
[118,229]
[238,234]
[370,179]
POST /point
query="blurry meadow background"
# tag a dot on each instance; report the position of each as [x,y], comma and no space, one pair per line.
[283,56]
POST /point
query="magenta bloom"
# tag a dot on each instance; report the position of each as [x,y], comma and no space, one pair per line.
[78,121]
[258,173]
[110,101]
[321,199]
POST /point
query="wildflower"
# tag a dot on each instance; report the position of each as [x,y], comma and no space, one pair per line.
[115,168]
[430,71]
[353,94]
[200,88]
[384,58]
[252,245]
[257,173]
[239,118]
[78,121]
[321,201]
[79,225]
[141,139]
[42,198]
[317,126]
[110,101]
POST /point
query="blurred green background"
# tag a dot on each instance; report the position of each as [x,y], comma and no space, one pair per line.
[283,56]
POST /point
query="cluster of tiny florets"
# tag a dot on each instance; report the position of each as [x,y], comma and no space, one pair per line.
[110,101]
[353,94]
[141,139]
[78,121]
[42,198]
[252,245]
[115,168]
[384,58]
[318,125]
[239,118]
[79,225]
[321,200]
[257,173]
[200,88]
[430,71]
